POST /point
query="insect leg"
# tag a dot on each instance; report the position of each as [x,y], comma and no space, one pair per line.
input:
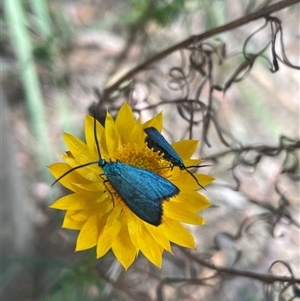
[105,181]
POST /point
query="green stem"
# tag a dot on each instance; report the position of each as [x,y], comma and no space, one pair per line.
[21,41]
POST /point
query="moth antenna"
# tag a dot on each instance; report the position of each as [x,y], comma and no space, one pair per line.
[194,178]
[198,166]
[74,168]
[95,135]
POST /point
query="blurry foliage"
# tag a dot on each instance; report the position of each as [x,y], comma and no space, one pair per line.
[76,283]
[161,12]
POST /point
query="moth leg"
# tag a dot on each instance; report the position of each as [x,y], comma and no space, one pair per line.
[105,181]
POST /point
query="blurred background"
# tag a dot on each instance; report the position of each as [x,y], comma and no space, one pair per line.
[237,92]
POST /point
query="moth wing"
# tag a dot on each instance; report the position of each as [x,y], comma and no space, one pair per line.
[158,142]
[142,191]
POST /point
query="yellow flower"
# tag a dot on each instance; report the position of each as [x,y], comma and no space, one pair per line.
[103,218]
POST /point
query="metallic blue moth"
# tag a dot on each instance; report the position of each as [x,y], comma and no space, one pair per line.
[143,191]
[156,141]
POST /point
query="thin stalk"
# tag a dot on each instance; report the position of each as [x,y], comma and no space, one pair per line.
[21,42]
[44,26]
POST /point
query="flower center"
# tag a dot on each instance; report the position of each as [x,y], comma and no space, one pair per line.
[143,157]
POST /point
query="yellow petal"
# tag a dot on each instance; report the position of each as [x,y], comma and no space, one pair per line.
[156,122]
[150,248]
[90,136]
[78,149]
[123,248]
[58,169]
[125,123]
[180,213]
[70,223]
[185,148]
[97,187]
[109,232]
[111,134]
[192,200]
[91,172]
[204,179]
[88,236]
[99,209]
[136,135]
[159,236]
[177,233]
[71,201]
[142,239]
[133,228]
[185,182]
[192,162]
